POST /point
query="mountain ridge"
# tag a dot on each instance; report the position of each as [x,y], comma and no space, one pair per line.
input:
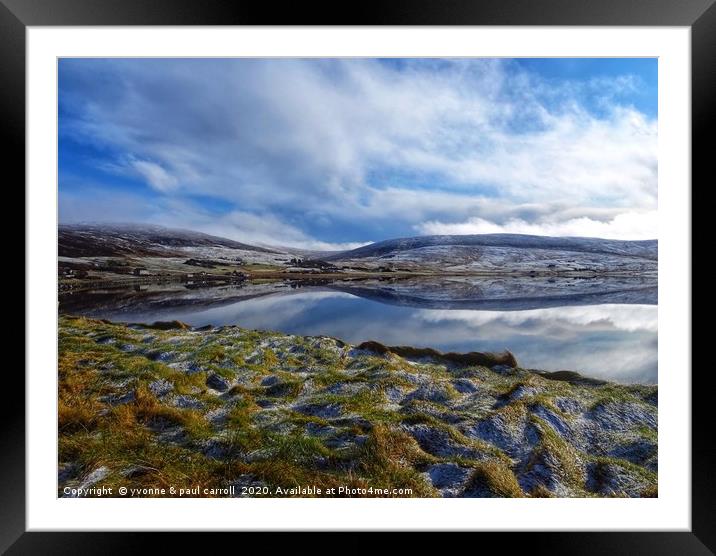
[641,248]
[78,240]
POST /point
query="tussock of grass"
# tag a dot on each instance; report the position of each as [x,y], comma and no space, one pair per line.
[211,353]
[270,360]
[496,478]
[242,411]
[389,457]
[511,387]
[611,393]
[80,416]
[645,474]
[648,434]
[184,383]
[287,389]
[541,491]
[79,387]
[455,435]
[551,443]
[147,410]
[299,449]
[650,492]
[601,474]
[387,443]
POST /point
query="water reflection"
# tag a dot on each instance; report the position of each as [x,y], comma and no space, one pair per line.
[614,341]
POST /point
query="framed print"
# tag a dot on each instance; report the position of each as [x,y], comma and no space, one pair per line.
[425,270]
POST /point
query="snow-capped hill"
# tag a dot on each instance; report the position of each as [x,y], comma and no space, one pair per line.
[646,249]
[505,251]
[93,240]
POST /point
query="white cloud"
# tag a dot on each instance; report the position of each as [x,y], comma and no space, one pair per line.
[336,139]
[156,176]
[628,225]
[255,229]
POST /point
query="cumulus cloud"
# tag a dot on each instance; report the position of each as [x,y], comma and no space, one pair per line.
[367,149]
[628,225]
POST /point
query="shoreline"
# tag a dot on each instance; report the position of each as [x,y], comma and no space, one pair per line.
[458,359]
[437,356]
[210,280]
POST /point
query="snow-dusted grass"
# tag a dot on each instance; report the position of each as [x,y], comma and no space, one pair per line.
[173,406]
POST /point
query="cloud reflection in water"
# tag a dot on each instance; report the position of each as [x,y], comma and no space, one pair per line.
[614,342]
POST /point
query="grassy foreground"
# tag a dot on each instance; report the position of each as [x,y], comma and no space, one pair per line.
[235,412]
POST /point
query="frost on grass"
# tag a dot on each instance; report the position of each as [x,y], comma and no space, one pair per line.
[229,406]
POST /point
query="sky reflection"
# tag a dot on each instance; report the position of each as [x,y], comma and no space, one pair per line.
[614,342]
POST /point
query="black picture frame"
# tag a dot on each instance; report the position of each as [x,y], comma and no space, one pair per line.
[699,15]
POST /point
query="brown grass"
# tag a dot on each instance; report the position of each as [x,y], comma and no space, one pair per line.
[473,358]
[496,478]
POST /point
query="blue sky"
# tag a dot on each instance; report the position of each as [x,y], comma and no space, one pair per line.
[333,153]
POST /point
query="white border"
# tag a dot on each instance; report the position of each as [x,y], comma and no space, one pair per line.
[671,511]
